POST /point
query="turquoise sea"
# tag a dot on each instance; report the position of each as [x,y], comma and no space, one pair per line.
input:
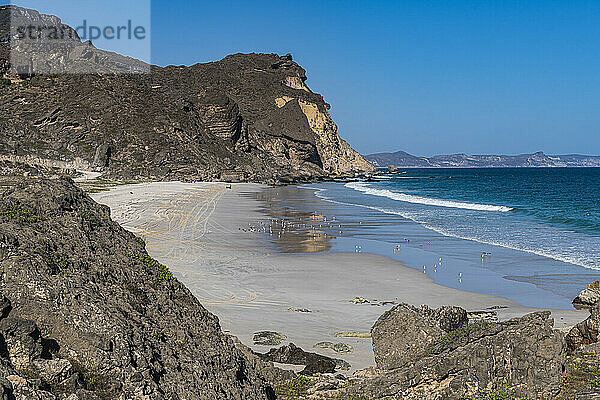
[553,212]
[528,234]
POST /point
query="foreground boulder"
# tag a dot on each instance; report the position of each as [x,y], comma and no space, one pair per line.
[403,331]
[524,354]
[291,354]
[87,313]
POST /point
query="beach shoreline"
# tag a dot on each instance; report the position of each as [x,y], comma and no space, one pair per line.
[213,239]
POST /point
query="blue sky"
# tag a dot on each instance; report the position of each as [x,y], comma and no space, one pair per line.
[426,77]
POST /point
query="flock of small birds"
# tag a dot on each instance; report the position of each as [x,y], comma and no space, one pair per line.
[283,225]
[280,226]
[435,266]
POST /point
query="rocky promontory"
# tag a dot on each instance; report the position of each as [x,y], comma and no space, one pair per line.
[248,117]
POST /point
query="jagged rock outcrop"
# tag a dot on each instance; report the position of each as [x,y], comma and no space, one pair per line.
[54,47]
[526,354]
[585,332]
[87,313]
[588,297]
[265,368]
[249,115]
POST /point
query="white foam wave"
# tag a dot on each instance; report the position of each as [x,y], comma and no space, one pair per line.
[582,259]
[408,198]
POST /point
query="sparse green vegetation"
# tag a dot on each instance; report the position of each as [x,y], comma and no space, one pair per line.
[459,335]
[23,257]
[92,381]
[94,218]
[164,275]
[498,394]
[5,82]
[140,241]
[583,371]
[89,380]
[56,263]
[31,379]
[295,387]
[16,211]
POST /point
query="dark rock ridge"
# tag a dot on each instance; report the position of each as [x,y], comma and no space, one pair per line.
[292,354]
[404,160]
[86,313]
[247,117]
[64,53]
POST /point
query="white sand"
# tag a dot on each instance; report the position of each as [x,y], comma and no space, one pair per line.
[195,230]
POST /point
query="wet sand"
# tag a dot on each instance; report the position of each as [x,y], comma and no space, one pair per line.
[222,244]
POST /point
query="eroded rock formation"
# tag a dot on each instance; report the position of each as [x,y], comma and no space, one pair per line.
[588,297]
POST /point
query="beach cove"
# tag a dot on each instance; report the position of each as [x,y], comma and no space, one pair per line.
[233,250]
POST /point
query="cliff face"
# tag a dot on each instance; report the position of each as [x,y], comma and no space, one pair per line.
[85,310]
[249,115]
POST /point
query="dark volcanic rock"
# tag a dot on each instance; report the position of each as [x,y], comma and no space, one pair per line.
[91,314]
[292,354]
[525,354]
[405,330]
[22,341]
[268,338]
[265,368]
[253,110]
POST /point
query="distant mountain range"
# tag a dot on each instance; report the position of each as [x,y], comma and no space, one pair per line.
[404,160]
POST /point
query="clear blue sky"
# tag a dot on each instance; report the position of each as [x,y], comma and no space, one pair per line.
[426,77]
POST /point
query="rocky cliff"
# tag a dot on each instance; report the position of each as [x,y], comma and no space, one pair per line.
[85,313]
[248,117]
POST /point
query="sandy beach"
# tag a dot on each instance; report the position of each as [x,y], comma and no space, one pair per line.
[213,239]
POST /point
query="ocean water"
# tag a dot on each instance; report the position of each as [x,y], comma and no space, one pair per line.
[529,235]
[551,212]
